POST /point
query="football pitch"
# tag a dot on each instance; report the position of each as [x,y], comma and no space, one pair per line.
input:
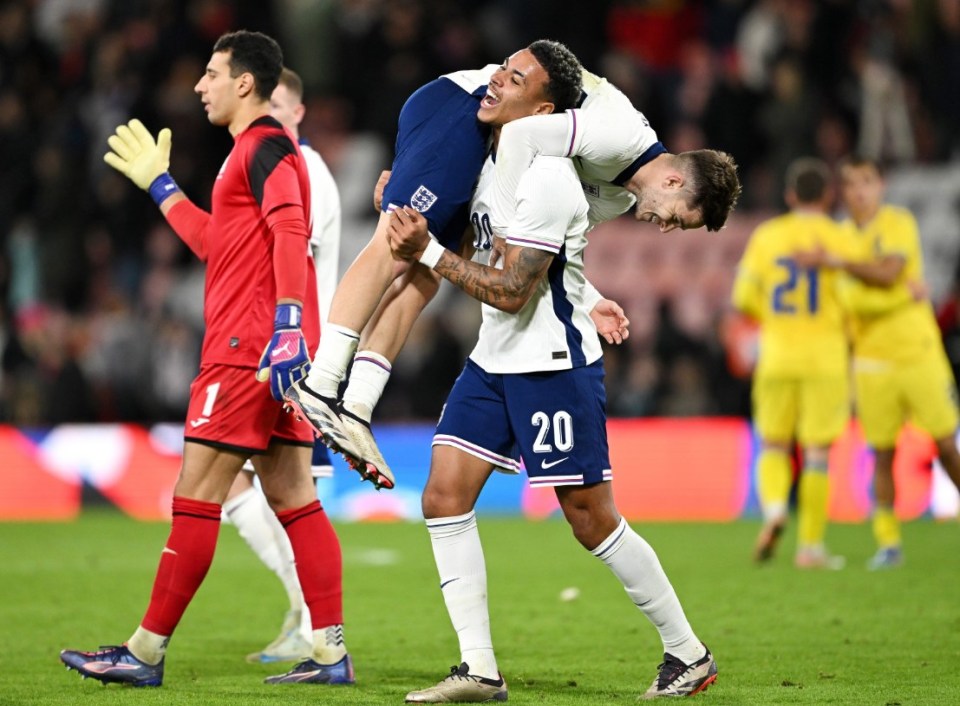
[780,636]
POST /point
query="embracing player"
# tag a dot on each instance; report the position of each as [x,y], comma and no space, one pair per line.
[533,384]
[441,146]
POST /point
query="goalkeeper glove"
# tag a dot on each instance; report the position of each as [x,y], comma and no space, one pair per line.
[141,160]
[284,361]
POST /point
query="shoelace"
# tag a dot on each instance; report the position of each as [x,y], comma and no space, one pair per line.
[670,670]
[116,649]
[459,672]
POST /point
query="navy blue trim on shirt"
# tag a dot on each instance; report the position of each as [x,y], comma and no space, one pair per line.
[654,150]
[563,308]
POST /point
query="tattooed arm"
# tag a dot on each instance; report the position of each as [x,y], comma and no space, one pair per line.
[507,289]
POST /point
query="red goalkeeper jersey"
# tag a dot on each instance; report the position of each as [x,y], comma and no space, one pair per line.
[261,194]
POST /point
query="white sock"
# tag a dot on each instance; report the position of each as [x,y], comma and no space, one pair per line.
[774,512]
[463,582]
[148,646]
[306,624]
[337,346]
[634,562]
[368,377]
[328,645]
[262,531]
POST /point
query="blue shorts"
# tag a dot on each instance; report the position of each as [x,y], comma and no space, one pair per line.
[320,463]
[441,148]
[555,421]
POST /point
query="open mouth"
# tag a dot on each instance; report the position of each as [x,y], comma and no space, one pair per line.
[490,100]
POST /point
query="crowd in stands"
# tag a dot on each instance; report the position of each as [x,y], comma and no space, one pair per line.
[101,305]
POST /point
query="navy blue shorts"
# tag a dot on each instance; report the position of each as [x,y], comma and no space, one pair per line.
[555,421]
[441,148]
[320,464]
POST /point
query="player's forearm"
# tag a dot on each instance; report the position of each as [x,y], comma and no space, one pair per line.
[591,296]
[507,290]
[188,221]
[289,254]
[521,141]
[876,273]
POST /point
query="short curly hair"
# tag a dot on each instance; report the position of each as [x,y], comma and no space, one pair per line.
[564,72]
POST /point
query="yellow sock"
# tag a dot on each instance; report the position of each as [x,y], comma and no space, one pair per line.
[812,510]
[773,482]
[886,527]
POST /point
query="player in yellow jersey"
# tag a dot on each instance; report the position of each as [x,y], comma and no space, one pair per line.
[900,368]
[801,384]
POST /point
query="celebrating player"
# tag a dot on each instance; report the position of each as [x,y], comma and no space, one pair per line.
[260,289]
[900,368]
[441,145]
[533,381]
[800,387]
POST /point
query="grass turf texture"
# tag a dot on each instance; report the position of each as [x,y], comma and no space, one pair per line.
[780,636]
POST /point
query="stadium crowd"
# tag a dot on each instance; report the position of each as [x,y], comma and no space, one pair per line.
[101,304]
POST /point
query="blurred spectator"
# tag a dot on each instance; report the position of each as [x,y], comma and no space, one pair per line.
[98,295]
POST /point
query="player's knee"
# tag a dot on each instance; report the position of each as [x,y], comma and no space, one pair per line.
[435,502]
[591,526]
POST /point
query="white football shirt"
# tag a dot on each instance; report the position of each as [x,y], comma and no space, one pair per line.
[554,330]
[472,79]
[606,135]
[325,227]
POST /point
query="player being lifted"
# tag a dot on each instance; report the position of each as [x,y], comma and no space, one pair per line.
[800,386]
[441,145]
[534,382]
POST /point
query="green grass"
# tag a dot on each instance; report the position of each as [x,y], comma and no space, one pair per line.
[780,636]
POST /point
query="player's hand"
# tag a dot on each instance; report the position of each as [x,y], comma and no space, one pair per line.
[136,155]
[407,234]
[918,289]
[610,321]
[817,256]
[498,250]
[285,360]
[378,190]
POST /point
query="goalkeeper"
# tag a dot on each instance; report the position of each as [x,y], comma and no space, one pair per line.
[261,314]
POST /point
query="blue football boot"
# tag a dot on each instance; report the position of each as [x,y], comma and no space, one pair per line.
[113,665]
[311,672]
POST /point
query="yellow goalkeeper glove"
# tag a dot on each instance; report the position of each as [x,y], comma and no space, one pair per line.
[142,160]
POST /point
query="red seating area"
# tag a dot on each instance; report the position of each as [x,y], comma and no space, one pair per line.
[636,265]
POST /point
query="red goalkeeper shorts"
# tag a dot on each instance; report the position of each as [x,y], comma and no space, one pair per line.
[230,409]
